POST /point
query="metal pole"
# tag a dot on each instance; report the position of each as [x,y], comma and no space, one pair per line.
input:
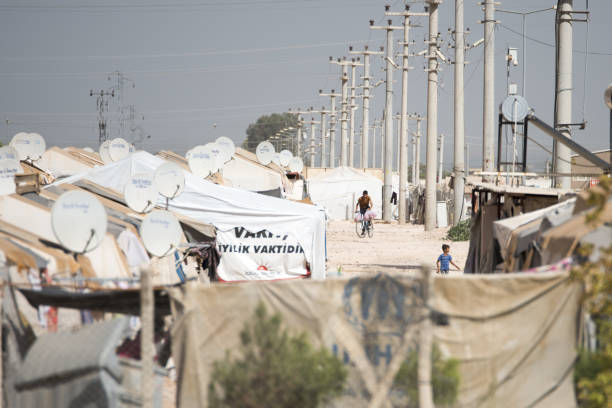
[323,133]
[351,152]
[146,338]
[488,109]
[563,114]
[459,124]
[432,119]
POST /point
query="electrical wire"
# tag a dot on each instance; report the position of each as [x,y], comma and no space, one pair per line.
[552,45]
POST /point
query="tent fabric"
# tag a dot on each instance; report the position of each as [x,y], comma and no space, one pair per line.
[502,229]
[225,207]
[514,335]
[250,175]
[338,190]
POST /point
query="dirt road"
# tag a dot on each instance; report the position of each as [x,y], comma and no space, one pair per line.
[392,248]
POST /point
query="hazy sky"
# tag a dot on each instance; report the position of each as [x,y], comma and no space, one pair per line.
[196,63]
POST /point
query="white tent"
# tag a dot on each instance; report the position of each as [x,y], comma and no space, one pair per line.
[338,190]
[228,209]
[246,173]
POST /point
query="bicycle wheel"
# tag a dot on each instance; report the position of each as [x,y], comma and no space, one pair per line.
[359,229]
[370,229]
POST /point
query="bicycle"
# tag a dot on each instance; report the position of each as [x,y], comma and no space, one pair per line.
[364,226]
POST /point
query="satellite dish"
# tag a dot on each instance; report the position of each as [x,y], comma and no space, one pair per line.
[8,168]
[188,154]
[78,220]
[264,153]
[118,149]
[28,145]
[169,180]
[140,193]
[9,153]
[608,96]
[514,108]
[104,153]
[285,157]
[160,232]
[276,159]
[89,150]
[201,161]
[219,155]
[296,165]
[227,145]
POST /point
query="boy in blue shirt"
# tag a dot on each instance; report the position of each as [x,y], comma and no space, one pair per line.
[445,259]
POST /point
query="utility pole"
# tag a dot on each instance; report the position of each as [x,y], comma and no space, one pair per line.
[344,109]
[488,108]
[563,91]
[416,167]
[459,115]
[102,105]
[374,127]
[403,150]
[299,112]
[365,116]
[441,147]
[332,126]
[388,141]
[432,117]
[313,124]
[353,107]
[323,134]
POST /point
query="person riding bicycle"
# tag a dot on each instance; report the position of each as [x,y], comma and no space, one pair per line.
[364,203]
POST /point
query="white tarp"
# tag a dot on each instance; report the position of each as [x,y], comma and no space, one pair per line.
[338,190]
[251,176]
[226,207]
[502,229]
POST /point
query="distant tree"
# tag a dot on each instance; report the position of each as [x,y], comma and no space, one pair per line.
[275,369]
[266,126]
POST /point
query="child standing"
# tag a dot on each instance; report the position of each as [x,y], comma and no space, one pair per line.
[444,260]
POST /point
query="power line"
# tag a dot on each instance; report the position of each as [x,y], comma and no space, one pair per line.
[179,55]
[552,45]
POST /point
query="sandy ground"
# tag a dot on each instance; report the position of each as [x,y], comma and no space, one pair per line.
[393,247]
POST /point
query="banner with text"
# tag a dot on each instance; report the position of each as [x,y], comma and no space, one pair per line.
[247,255]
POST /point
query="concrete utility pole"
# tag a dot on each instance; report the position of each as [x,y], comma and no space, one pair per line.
[365,116]
[432,117]
[299,112]
[388,143]
[344,110]
[459,115]
[416,166]
[332,126]
[488,108]
[323,134]
[312,149]
[353,107]
[441,147]
[563,90]
[403,150]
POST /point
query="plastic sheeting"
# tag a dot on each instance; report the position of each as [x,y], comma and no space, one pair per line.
[514,335]
[338,190]
[226,207]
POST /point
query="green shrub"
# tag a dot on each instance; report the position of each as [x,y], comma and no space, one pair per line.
[444,379]
[460,232]
[275,370]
